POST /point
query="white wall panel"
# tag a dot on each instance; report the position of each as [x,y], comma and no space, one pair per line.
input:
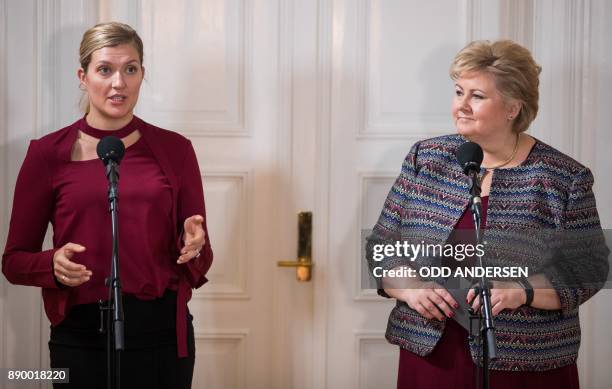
[595,140]
[21,318]
[377,361]
[60,26]
[227,195]
[203,44]
[405,58]
[561,47]
[375,187]
[221,357]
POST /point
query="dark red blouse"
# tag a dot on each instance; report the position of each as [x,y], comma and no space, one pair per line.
[159,186]
[466,222]
[145,227]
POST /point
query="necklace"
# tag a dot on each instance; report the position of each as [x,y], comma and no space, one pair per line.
[502,164]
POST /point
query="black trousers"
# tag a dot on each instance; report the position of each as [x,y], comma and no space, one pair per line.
[150,358]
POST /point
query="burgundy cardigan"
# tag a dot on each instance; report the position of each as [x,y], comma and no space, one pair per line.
[24,263]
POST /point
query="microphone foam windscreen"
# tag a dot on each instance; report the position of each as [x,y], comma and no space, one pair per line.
[110,148]
[469,154]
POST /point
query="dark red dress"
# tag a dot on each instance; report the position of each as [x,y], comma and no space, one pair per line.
[450,365]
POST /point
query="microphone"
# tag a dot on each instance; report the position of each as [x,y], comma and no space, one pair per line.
[469,156]
[111,150]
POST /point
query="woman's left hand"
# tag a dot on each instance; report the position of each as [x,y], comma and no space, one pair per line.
[193,239]
[504,295]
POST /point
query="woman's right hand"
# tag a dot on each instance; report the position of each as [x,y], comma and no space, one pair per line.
[430,300]
[67,272]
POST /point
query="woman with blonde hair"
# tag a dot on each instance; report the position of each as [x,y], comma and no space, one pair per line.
[527,186]
[163,240]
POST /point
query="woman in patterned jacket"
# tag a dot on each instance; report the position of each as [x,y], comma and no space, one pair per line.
[526,186]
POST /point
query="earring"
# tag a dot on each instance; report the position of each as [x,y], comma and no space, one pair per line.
[82,87]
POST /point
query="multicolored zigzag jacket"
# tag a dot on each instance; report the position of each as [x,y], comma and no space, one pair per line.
[548,191]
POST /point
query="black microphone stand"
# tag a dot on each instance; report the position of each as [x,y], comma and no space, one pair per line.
[487,338]
[115,322]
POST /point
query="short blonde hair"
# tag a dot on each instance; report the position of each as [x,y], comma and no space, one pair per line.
[515,71]
[107,34]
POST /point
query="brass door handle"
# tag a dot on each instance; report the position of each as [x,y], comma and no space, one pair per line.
[298,263]
[303,265]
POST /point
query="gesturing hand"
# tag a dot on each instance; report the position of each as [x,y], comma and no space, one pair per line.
[67,272]
[193,239]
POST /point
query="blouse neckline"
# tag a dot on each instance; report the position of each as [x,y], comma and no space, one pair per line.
[119,133]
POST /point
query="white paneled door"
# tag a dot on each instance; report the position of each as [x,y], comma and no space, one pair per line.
[222,73]
[389,90]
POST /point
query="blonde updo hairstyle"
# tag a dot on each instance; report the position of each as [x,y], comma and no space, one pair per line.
[515,71]
[101,35]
